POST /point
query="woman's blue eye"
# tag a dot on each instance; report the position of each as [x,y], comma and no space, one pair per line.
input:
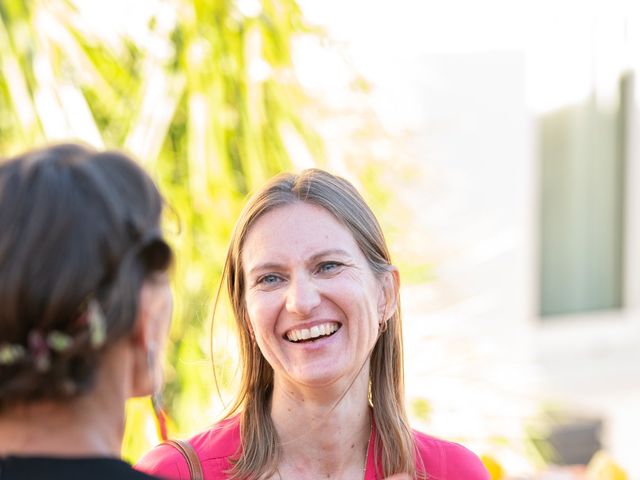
[328,266]
[269,279]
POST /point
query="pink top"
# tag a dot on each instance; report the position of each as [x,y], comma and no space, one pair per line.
[215,447]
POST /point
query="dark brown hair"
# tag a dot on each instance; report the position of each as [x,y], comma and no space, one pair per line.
[77,227]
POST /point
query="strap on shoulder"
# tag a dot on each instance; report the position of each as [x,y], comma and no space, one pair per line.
[190,455]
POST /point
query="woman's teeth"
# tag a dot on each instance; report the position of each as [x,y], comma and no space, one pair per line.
[317,331]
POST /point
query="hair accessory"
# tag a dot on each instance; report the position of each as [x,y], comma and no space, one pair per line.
[97,324]
[11,354]
[59,342]
[39,346]
[39,350]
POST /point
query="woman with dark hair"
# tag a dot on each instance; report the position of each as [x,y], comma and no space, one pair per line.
[85,311]
[315,299]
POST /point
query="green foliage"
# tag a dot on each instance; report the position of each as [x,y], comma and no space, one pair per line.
[205,102]
[421,409]
[204,94]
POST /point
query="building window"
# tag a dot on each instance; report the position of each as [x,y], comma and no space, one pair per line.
[582,173]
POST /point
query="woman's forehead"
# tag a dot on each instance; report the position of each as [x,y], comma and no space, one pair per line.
[297,229]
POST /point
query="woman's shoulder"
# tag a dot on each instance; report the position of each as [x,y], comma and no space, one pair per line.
[450,460]
[213,446]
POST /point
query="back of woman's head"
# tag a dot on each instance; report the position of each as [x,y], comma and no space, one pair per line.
[79,234]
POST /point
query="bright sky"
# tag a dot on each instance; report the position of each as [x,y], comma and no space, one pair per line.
[561,39]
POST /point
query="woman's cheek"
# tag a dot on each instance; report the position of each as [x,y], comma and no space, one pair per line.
[262,309]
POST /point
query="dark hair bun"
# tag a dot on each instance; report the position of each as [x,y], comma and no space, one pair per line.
[77,228]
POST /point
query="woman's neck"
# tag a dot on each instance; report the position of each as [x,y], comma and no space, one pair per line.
[89,425]
[52,429]
[322,435]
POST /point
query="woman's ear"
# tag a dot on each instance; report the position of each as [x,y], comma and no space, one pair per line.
[142,347]
[149,332]
[388,302]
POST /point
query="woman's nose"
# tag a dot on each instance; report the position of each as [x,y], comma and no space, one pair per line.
[302,296]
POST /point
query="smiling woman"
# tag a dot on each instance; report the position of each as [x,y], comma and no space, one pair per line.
[315,298]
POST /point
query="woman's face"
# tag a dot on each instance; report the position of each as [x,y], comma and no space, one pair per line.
[313,302]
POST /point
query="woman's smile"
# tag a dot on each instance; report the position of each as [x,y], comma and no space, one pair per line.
[316,332]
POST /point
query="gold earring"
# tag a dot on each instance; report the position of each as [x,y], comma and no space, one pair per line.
[382,326]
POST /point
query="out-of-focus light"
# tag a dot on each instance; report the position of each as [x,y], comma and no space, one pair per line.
[198,51]
[298,151]
[259,70]
[317,67]
[580,53]
[249,8]
[115,19]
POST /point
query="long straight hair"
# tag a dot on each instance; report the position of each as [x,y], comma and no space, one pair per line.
[394,444]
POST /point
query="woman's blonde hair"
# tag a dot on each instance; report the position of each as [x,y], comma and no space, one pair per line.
[260,446]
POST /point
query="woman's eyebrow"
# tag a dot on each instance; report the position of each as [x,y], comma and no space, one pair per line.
[328,252]
[265,266]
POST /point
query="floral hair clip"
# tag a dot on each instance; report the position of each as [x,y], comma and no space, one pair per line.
[40,346]
[11,354]
[97,324]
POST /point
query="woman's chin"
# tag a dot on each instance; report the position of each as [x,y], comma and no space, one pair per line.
[328,381]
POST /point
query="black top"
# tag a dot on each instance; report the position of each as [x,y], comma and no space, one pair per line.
[48,468]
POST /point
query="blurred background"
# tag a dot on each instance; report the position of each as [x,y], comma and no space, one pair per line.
[497,141]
